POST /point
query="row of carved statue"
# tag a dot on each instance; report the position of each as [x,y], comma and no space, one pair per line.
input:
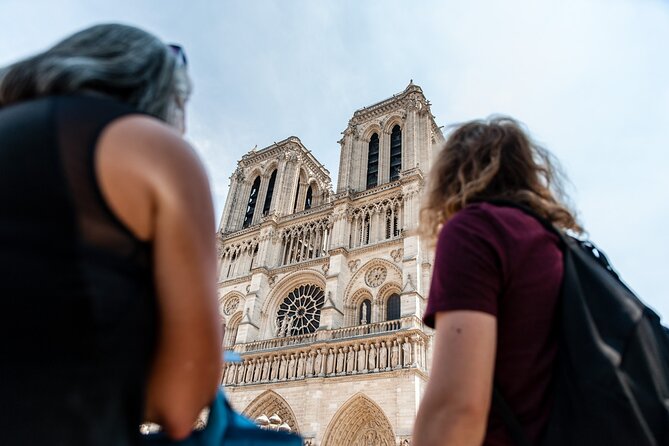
[363,357]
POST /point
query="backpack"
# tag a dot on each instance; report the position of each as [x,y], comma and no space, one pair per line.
[611,383]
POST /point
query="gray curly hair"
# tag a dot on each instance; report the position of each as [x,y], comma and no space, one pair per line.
[118,61]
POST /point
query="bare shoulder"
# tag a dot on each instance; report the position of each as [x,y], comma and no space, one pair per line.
[147,139]
[143,164]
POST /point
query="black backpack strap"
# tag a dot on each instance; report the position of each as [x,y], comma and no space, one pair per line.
[510,421]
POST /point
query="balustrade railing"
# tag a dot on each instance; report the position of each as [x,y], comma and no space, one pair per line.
[344,351]
[276,343]
[325,335]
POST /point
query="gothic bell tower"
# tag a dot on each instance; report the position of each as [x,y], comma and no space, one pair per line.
[383,140]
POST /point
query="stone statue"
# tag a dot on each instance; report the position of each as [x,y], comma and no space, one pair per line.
[371,358]
[265,369]
[283,365]
[362,363]
[350,359]
[363,318]
[395,355]
[330,362]
[340,361]
[282,327]
[240,373]
[383,356]
[275,368]
[289,326]
[258,371]
[291,366]
[318,363]
[249,372]
[230,373]
[300,366]
[406,353]
[310,363]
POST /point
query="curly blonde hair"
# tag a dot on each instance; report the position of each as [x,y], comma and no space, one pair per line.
[494,159]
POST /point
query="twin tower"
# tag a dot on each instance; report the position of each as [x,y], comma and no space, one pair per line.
[322,292]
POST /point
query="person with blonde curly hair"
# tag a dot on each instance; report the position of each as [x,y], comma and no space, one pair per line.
[495,285]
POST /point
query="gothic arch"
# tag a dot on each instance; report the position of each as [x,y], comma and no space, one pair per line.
[227,305]
[386,290]
[392,122]
[352,306]
[359,422]
[270,403]
[358,280]
[382,298]
[252,173]
[369,130]
[269,168]
[231,327]
[281,290]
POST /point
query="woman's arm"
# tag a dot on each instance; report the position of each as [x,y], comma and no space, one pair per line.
[156,184]
[456,402]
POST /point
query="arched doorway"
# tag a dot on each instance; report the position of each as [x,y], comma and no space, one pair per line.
[269,403]
[359,422]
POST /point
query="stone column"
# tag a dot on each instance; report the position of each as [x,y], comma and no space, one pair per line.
[235,180]
[262,194]
[384,157]
[344,177]
[301,195]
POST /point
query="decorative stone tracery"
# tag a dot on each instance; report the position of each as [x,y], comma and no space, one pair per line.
[376,276]
[270,402]
[300,311]
[230,305]
[360,422]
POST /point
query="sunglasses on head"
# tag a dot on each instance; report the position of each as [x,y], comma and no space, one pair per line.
[179,53]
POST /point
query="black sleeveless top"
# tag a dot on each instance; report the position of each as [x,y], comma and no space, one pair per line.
[77,306]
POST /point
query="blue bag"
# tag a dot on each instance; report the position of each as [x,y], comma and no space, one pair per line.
[226,427]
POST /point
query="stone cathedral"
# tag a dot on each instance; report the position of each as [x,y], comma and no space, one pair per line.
[322,292]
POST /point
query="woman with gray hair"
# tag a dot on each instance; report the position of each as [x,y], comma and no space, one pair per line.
[107,258]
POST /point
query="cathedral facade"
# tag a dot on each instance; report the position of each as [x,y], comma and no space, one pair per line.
[322,291]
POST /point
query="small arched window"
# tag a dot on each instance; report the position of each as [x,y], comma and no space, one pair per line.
[393,307]
[268,196]
[231,264]
[373,161]
[395,153]
[254,254]
[308,199]
[365,312]
[251,206]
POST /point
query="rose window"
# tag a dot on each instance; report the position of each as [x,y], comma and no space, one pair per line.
[300,311]
[376,276]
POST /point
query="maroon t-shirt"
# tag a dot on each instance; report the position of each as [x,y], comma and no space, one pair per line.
[501,261]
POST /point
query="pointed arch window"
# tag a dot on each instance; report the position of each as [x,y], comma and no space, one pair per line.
[268,196]
[393,307]
[395,153]
[254,254]
[251,206]
[309,198]
[373,161]
[231,264]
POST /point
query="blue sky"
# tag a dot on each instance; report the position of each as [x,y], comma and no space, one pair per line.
[590,79]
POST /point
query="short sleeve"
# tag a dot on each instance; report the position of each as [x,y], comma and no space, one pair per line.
[468,265]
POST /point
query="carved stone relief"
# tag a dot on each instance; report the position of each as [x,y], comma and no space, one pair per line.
[376,276]
[231,305]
